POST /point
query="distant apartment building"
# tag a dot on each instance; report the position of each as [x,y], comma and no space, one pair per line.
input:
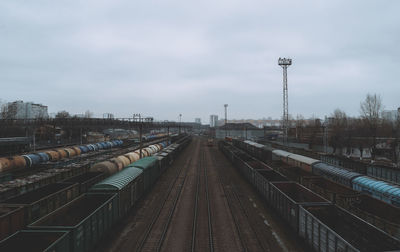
[108,116]
[213,120]
[391,115]
[197,120]
[24,110]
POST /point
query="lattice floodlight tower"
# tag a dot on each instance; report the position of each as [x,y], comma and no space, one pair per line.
[285,63]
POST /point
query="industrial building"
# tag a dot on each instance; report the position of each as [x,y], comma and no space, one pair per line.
[239,130]
[391,115]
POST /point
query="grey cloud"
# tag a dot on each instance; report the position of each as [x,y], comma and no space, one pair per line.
[171,57]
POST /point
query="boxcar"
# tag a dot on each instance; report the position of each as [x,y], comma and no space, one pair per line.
[378,189]
[150,168]
[336,174]
[302,162]
[280,155]
[127,184]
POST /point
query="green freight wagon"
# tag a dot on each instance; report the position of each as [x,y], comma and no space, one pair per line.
[44,200]
[150,168]
[87,218]
[128,184]
[37,241]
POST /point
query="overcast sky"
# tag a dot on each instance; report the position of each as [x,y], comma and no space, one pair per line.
[162,58]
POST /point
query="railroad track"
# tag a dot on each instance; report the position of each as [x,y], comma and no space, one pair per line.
[210,228]
[153,240]
[239,213]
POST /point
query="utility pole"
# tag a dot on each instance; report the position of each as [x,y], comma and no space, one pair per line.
[226,120]
[140,132]
[325,127]
[285,63]
[180,120]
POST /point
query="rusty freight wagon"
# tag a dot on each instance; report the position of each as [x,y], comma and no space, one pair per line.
[44,200]
[331,228]
[37,241]
[11,220]
[87,219]
[286,197]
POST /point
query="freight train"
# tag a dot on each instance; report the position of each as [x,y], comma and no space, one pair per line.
[323,225]
[33,159]
[384,191]
[81,223]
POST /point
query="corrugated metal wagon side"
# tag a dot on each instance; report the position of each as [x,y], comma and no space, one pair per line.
[44,200]
[286,197]
[87,218]
[128,184]
[330,228]
[262,179]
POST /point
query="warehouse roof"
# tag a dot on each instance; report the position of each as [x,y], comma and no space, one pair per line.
[238,126]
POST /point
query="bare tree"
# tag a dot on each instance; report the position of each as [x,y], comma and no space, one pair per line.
[371,110]
[300,121]
[62,114]
[395,143]
[338,129]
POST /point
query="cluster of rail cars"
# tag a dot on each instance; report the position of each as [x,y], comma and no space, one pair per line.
[92,204]
[116,164]
[33,159]
[323,225]
[382,190]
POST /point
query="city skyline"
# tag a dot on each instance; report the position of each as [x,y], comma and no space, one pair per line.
[166,59]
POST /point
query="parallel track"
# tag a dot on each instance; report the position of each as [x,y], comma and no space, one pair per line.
[233,198]
[210,228]
[157,216]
